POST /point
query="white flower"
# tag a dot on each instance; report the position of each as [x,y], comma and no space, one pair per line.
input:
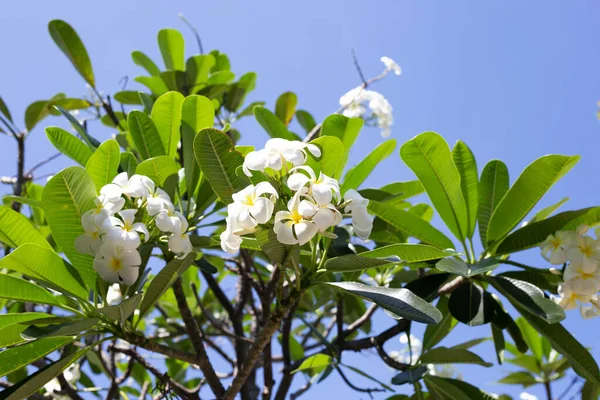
[114,295]
[169,220]
[554,248]
[72,374]
[253,205]
[323,216]
[576,272]
[103,208]
[179,242]
[292,227]
[321,189]
[230,242]
[592,310]
[353,105]
[53,388]
[391,65]
[527,396]
[574,290]
[277,153]
[90,241]
[585,253]
[352,102]
[361,220]
[126,232]
[136,186]
[116,265]
[157,201]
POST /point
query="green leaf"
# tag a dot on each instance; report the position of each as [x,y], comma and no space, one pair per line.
[220,78]
[218,161]
[347,130]
[35,381]
[249,110]
[15,230]
[67,104]
[121,312]
[410,224]
[163,281]
[87,138]
[103,165]
[470,343]
[519,378]
[590,390]
[493,185]
[4,110]
[525,295]
[444,355]
[315,362]
[401,302]
[273,125]
[499,343]
[547,211]
[306,120]
[404,190]
[435,333]
[236,95]
[467,168]
[459,267]
[66,197]
[411,375]
[16,357]
[148,141]
[534,233]
[128,163]
[172,47]
[155,83]
[190,165]
[276,251]
[166,115]
[66,329]
[159,169]
[41,263]
[18,289]
[429,157]
[35,112]
[198,112]
[145,62]
[197,70]
[331,156]
[528,189]
[351,263]
[69,42]
[527,361]
[130,97]
[357,175]
[454,389]
[471,305]
[11,327]
[285,107]
[69,145]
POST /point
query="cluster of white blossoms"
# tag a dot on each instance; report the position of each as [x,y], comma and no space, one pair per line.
[53,388]
[580,253]
[115,228]
[358,101]
[308,204]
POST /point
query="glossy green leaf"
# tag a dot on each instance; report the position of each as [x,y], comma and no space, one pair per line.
[163,281]
[519,378]
[65,329]
[276,251]
[410,224]
[155,83]
[400,302]
[347,130]
[198,112]
[159,169]
[403,190]
[4,110]
[306,120]
[16,229]
[67,104]
[459,267]
[435,333]
[103,165]
[361,171]
[547,211]
[467,168]
[314,362]
[454,389]
[493,185]
[273,125]
[525,295]
[71,45]
[218,162]
[130,97]
[285,107]
[17,357]
[429,157]
[190,165]
[197,70]
[590,390]
[249,110]
[172,48]
[35,112]
[11,326]
[148,141]
[237,94]
[411,375]
[220,78]
[124,310]
[444,355]
[531,235]
[145,62]
[499,343]
[166,115]
[471,305]
[351,262]
[331,156]
[87,138]
[532,338]
[67,196]
[35,381]
[69,145]
[18,289]
[527,190]
[128,163]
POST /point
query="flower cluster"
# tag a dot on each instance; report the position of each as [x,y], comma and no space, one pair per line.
[308,204]
[353,102]
[53,387]
[127,212]
[580,253]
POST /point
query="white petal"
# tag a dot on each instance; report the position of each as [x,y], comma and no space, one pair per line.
[285,234]
[324,218]
[122,179]
[362,223]
[307,209]
[314,150]
[265,187]
[128,275]
[262,210]
[305,231]
[255,161]
[230,242]
[131,258]
[112,191]
[84,244]
[103,268]
[128,216]
[322,193]
[141,228]
[355,199]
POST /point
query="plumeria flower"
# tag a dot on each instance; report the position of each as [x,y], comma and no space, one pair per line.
[122,185]
[391,65]
[527,396]
[53,388]
[157,201]
[90,241]
[352,102]
[577,271]
[554,248]
[253,205]
[292,227]
[230,242]
[361,220]
[104,208]
[277,153]
[592,310]
[381,109]
[322,189]
[585,253]
[323,216]
[126,232]
[169,220]
[114,295]
[117,265]
[179,242]
[572,291]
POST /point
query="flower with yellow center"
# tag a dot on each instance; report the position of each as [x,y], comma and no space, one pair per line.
[125,232]
[322,189]
[254,204]
[585,253]
[295,226]
[114,264]
[90,241]
[573,291]
[554,248]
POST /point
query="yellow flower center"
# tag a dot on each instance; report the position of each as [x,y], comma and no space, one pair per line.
[127,227]
[250,200]
[586,250]
[556,243]
[296,217]
[116,264]
[95,235]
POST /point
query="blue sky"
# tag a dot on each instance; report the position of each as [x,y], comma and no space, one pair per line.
[514,80]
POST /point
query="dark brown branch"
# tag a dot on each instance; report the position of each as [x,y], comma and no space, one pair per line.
[370,342]
[66,388]
[452,286]
[354,387]
[360,321]
[387,359]
[286,380]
